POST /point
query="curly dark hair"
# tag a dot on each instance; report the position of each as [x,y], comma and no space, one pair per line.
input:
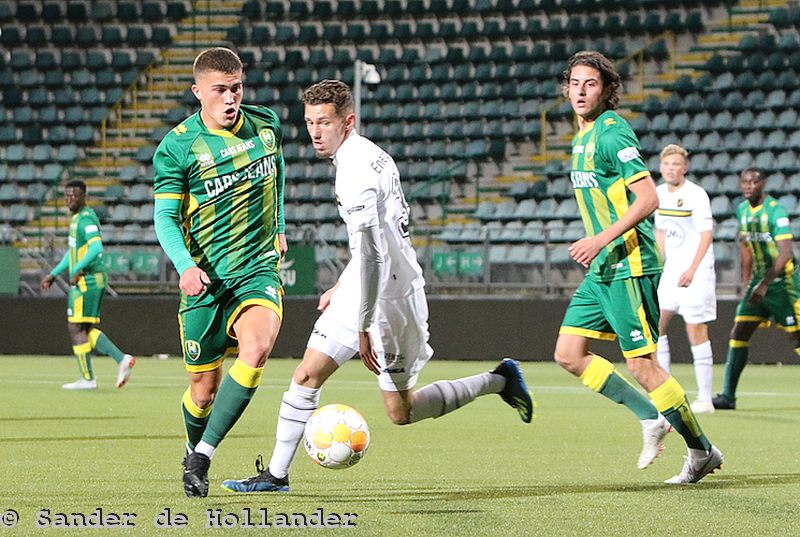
[612,83]
[333,92]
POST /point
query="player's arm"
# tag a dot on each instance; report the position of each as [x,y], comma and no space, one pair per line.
[168,231]
[93,249]
[746,257]
[371,261]
[62,265]
[586,249]
[280,182]
[660,242]
[705,241]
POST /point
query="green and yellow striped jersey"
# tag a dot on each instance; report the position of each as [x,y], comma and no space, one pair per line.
[84,229]
[760,228]
[229,183]
[606,159]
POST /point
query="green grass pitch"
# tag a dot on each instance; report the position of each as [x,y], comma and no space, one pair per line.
[478,471]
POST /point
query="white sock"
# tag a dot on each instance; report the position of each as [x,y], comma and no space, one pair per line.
[205,448]
[662,353]
[441,397]
[298,404]
[703,369]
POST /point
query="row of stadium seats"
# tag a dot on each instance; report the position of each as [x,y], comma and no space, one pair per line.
[109,35]
[372,9]
[76,11]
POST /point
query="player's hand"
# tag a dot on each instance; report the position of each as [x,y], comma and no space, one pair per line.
[47,281]
[686,279]
[194,281]
[585,250]
[325,299]
[367,352]
[283,245]
[75,277]
[758,294]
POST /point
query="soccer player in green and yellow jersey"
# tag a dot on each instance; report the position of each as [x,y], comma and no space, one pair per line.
[219,217]
[84,262]
[618,298]
[769,274]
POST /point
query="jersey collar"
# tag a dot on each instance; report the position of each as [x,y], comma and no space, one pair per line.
[225,133]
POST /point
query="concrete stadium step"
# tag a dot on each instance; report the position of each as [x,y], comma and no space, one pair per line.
[189,38]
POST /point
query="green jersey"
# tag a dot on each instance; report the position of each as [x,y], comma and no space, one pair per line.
[230,184]
[761,228]
[605,160]
[84,229]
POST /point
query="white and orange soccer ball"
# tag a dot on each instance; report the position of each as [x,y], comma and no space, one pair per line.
[336,436]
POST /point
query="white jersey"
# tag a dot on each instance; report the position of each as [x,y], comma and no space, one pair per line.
[368,193]
[683,215]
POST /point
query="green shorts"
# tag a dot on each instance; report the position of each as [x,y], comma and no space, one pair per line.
[206,321]
[625,309]
[780,304]
[85,298]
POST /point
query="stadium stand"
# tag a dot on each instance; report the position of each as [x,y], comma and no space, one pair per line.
[89,88]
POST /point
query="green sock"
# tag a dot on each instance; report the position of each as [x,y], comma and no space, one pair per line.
[601,377]
[234,395]
[101,342]
[194,418]
[670,400]
[736,360]
[83,353]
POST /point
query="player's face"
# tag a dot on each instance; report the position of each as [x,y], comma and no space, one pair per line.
[585,92]
[752,186]
[327,129]
[74,198]
[673,169]
[220,95]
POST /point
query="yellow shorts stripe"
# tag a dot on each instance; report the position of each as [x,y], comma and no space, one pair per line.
[749,319]
[591,334]
[636,353]
[245,375]
[202,368]
[738,344]
[251,302]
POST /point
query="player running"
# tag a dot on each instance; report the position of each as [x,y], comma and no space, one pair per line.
[219,217]
[618,299]
[377,309]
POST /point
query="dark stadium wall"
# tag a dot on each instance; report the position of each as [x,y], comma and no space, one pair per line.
[461,328]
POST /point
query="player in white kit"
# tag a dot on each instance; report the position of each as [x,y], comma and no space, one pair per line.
[377,309]
[684,227]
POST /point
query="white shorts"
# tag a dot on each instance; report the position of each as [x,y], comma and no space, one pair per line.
[399,335]
[697,303]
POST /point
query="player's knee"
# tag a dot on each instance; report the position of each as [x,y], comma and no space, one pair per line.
[565,359]
[307,376]
[203,399]
[256,352]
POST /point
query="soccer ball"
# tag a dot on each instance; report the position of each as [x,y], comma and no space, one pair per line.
[336,436]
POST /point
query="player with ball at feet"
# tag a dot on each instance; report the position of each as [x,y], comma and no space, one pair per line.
[377,309]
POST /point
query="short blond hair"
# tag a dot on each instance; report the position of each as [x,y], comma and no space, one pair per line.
[674,149]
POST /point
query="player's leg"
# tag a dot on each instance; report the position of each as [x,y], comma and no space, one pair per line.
[322,358]
[402,331]
[703,358]
[101,342]
[736,360]
[256,329]
[663,355]
[669,295]
[586,318]
[81,311]
[196,406]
